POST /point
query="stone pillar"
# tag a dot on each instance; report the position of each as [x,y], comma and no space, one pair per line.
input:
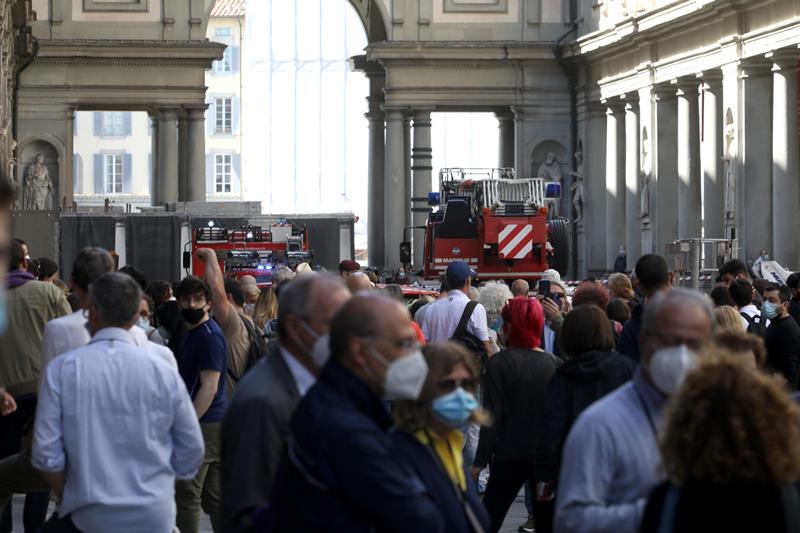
[183,155]
[68,181]
[196,154]
[407,161]
[505,124]
[375,206]
[594,206]
[522,159]
[711,156]
[754,187]
[785,167]
[615,181]
[421,156]
[732,162]
[153,159]
[664,191]
[633,232]
[689,205]
[167,155]
[395,192]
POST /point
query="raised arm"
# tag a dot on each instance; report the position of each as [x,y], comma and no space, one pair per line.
[216,280]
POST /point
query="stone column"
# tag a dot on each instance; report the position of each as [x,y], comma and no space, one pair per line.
[785,179]
[183,155]
[754,186]
[633,232]
[395,192]
[68,181]
[615,181]
[711,156]
[196,154]
[407,160]
[505,124]
[375,206]
[167,155]
[689,206]
[664,183]
[153,158]
[421,156]
[522,159]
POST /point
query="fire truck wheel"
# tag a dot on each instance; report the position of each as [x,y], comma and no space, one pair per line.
[558,235]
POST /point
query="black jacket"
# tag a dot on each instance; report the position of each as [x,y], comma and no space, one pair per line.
[513,392]
[628,343]
[422,461]
[703,507]
[783,348]
[578,383]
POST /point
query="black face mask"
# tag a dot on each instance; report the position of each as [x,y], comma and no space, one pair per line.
[193,316]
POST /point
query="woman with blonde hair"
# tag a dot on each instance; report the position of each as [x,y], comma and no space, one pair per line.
[428,437]
[266,309]
[727,318]
[620,286]
[731,452]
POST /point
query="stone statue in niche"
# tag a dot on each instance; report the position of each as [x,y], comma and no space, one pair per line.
[550,169]
[644,193]
[38,188]
[730,180]
[577,187]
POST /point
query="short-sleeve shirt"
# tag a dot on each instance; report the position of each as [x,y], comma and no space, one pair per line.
[238,340]
[442,317]
[205,349]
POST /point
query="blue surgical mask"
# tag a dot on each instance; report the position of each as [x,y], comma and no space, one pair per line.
[454,408]
[769,309]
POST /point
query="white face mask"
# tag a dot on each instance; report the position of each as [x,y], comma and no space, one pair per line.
[143,323]
[320,351]
[249,308]
[404,377]
[669,366]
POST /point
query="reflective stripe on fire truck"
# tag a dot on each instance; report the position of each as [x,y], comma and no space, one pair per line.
[515,241]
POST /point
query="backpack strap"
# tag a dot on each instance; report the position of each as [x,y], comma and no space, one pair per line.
[252,335]
[461,329]
[667,523]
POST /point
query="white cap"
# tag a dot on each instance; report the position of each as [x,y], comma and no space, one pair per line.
[553,276]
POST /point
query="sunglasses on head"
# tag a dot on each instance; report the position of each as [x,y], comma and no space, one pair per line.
[453,384]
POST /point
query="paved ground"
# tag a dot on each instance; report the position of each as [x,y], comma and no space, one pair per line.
[516,516]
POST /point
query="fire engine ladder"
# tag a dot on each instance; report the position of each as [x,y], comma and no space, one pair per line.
[498,193]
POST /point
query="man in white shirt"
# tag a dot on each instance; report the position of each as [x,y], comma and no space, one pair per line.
[442,317]
[114,469]
[742,293]
[256,423]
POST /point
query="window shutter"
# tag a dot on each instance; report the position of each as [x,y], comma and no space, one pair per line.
[235,112]
[127,162]
[210,190]
[210,116]
[98,174]
[235,58]
[236,179]
[126,124]
[98,123]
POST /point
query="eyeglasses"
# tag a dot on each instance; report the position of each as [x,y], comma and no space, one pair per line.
[449,385]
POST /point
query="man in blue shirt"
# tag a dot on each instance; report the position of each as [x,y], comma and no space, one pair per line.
[203,367]
[114,425]
[611,459]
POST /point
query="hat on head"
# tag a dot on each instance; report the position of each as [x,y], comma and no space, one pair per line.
[303,268]
[458,272]
[553,276]
[349,265]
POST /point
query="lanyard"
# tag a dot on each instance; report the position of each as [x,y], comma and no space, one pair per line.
[646,412]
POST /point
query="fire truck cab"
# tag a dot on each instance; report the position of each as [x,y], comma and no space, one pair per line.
[252,250]
[496,223]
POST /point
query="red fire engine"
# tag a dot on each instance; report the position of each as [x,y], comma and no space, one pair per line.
[496,223]
[252,250]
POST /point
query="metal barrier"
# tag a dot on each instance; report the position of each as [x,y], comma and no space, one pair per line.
[493,187]
[696,261]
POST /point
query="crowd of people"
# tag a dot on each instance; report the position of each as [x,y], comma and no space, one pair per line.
[331,403]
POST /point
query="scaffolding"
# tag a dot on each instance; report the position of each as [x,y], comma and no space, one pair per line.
[695,262]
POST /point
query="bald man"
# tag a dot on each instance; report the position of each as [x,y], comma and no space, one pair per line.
[359,281]
[520,288]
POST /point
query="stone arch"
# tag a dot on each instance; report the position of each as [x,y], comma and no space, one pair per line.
[52,152]
[373,14]
[539,154]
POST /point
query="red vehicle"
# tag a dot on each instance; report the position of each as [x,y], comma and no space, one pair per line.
[497,224]
[252,250]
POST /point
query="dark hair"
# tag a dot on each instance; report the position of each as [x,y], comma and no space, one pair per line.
[720,295]
[47,267]
[760,285]
[445,287]
[356,318]
[740,341]
[116,296]
[793,281]
[585,329]
[33,266]
[590,293]
[15,254]
[619,310]
[652,272]
[6,193]
[741,291]
[783,291]
[151,306]
[191,286]
[234,288]
[394,291]
[136,275]
[159,292]
[733,267]
[89,265]
[416,306]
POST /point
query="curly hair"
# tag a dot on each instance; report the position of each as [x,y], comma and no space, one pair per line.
[493,296]
[731,424]
[590,293]
[620,286]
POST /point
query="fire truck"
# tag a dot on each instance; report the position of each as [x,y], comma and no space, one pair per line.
[251,250]
[496,223]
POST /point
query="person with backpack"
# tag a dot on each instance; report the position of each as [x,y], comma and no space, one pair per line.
[742,293]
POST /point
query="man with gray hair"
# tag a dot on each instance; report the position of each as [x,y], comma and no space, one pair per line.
[256,424]
[611,459]
[114,468]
